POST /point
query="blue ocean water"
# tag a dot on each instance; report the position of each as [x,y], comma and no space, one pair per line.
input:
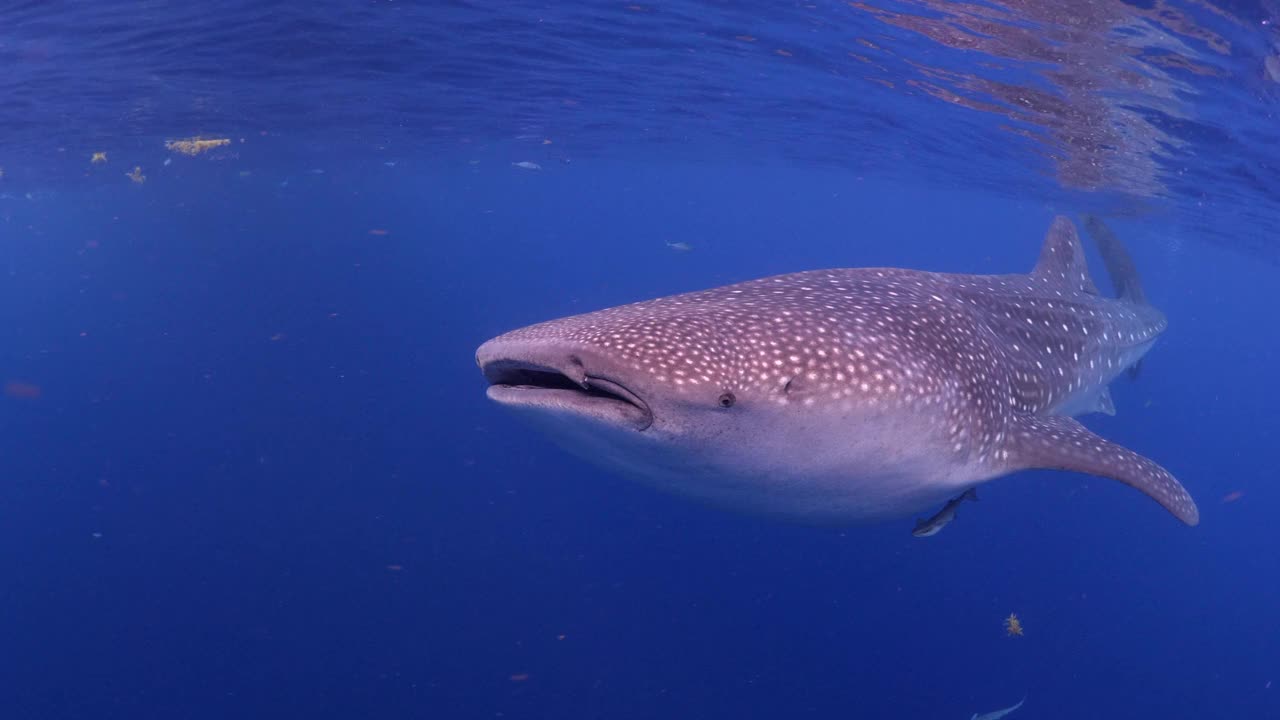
[250,471]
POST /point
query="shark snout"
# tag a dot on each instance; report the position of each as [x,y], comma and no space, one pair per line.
[562,379]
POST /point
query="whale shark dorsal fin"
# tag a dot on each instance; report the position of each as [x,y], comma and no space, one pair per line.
[1062,261]
[1061,443]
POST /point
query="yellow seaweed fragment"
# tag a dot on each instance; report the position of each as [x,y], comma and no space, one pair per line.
[196,145]
[136,175]
[98,158]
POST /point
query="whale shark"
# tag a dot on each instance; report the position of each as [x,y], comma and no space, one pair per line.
[846,395]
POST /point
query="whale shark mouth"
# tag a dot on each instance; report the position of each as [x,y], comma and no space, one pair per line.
[527,385]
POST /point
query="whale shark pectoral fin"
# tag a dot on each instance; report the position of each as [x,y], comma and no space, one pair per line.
[1060,443]
[1098,401]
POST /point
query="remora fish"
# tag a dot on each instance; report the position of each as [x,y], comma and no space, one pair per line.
[848,394]
[997,714]
[931,526]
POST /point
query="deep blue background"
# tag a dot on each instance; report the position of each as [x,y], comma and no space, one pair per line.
[261,479]
[251,493]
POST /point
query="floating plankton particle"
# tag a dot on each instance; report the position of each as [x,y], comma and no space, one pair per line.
[22,390]
[1012,625]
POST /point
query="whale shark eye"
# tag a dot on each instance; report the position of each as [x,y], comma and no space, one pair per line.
[727,400]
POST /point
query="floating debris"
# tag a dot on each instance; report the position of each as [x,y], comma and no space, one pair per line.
[98,158]
[526,165]
[997,714]
[679,246]
[22,390]
[1013,626]
[196,145]
[136,175]
[1232,496]
[167,161]
[379,231]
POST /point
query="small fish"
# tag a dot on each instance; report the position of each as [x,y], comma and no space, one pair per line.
[931,526]
[997,714]
[679,246]
[526,165]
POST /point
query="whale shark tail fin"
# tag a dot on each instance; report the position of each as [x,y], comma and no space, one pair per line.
[1124,276]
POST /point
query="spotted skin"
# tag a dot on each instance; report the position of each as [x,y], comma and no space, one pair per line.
[846,394]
